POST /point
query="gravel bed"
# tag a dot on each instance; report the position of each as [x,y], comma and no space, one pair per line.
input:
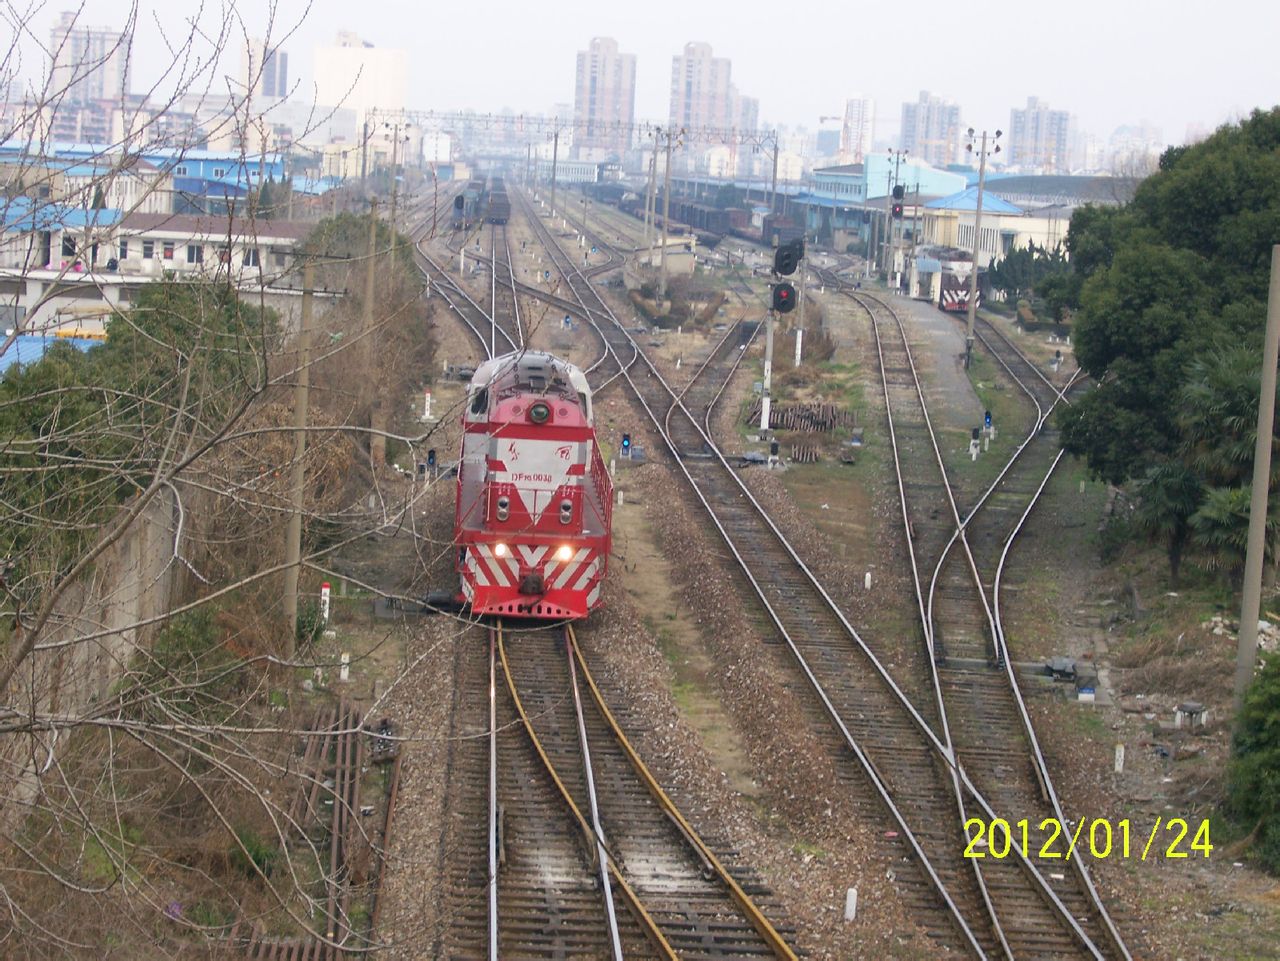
[800,831]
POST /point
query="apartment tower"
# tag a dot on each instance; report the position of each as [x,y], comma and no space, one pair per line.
[604,100]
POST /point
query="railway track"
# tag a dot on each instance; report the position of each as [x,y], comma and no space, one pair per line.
[1035,910]
[588,858]
[1016,925]
[874,724]
[1022,910]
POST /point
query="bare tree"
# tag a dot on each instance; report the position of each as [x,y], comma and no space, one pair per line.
[152,790]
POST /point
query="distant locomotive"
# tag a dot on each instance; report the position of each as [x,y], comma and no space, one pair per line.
[499,203]
[534,500]
[953,292]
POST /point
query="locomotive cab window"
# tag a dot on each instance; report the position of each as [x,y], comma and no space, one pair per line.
[480,401]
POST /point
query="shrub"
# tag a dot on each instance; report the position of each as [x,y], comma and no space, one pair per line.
[260,855]
[1253,785]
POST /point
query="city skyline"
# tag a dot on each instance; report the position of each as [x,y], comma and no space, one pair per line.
[1106,77]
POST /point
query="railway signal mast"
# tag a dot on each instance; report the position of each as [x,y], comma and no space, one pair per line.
[785,261]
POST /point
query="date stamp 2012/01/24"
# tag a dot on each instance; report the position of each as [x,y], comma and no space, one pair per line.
[1099,838]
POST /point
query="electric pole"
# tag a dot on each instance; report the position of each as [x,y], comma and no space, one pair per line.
[773,184]
[555,155]
[977,242]
[1247,642]
[297,484]
[666,217]
[377,443]
[650,200]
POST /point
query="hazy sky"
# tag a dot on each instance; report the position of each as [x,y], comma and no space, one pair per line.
[1168,62]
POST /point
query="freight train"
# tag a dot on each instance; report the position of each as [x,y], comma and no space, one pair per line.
[532,524]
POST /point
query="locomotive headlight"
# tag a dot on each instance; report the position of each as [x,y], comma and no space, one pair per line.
[565,553]
[499,550]
[539,412]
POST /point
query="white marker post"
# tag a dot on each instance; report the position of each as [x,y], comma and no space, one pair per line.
[344,672]
[426,405]
[768,371]
[324,602]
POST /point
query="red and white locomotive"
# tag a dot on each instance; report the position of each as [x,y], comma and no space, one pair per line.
[534,506]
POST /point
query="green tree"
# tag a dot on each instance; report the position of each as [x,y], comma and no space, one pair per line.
[1253,793]
[1165,280]
[1220,527]
[1169,496]
[84,430]
[1024,271]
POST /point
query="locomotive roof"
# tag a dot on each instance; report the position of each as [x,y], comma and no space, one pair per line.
[532,370]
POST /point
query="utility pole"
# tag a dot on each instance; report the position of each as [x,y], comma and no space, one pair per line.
[435,198]
[1247,643]
[364,157]
[493,296]
[650,200]
[666,217]
[394,144]
[297,484]
[977,242]
[555,154]
[773,184]
[888,224]
[915,210]
[377,443]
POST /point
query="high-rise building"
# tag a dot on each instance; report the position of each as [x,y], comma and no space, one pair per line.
[931,129]
[858,130]
[745,114]
[361,77]
[89,63]
[604,100]
[264,70]
[700,89]
[1040,139]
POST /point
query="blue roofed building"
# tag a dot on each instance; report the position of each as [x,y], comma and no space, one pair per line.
[203,181]
[27,350]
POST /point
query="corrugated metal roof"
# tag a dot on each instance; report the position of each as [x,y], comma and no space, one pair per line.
[968,200]
[27,349]
[213,226]
[24,214]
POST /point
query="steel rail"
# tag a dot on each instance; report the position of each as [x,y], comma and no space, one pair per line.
[932,660]
[766,930]
[602,855]
[493,799]
[1040,765]
[593,840]
[868,767]
[904,701]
